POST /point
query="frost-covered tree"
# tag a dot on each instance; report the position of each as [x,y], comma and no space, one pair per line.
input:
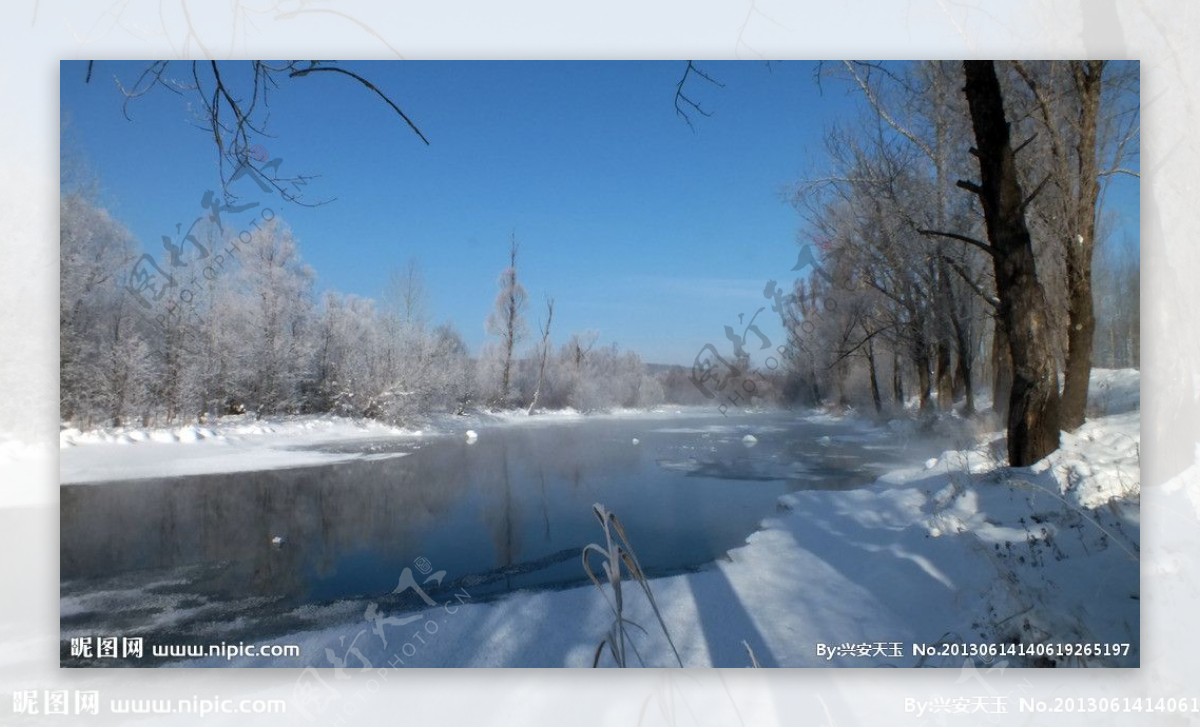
[407,348]
[404,298]
[601,378]
[542,354]
[452,386]
[507,323]
[382,364]
[348,378]
[103,357]
[216,339]
[250,338]
[273,288]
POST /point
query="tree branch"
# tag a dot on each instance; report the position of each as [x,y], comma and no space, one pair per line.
[1119,170]
[1024,144]
[883,114]
[852,350]
[963,238]
[680,95]
[969,186]
[1028,199]
[334,69]
[979,290]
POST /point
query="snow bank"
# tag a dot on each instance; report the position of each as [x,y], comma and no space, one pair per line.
[570,414]
[232,444]
[1099,463]
[242,443]
[233,426]
[960,549]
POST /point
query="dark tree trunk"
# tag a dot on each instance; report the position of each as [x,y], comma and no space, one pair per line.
[965,365]
[897,380]
[815,386]
[840,376]
[964,373]
[1033,416]
[1081,317]
[874,378]
[944,373]
[943,313]
[959,390]
[943,293]
[923,384]
[1001,368]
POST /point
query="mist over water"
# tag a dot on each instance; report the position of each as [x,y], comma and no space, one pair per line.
[192,559]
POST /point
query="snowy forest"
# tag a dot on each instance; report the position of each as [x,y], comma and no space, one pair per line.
[258,339]
[926,429]
[927,286]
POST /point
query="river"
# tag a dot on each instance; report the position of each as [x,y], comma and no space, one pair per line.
[244,556]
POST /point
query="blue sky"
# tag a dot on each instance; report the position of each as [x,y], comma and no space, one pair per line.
[652,234]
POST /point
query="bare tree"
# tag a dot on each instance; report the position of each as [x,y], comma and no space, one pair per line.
[506,320]
[685,105]
[232,102]
[404,297]
[1033,417]
[1084,128]
[543,354]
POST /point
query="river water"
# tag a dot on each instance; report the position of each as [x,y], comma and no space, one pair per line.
[245,556]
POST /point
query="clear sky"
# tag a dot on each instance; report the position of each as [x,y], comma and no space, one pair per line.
[649,232]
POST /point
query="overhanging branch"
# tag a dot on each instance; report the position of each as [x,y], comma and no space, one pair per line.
[684,102]
[962,238]
[334,69]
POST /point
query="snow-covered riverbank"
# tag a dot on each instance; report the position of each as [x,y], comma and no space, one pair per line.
[962,550]
[243,443]
[232,444]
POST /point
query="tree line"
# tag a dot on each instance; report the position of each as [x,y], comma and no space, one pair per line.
[958,228]
[253,336]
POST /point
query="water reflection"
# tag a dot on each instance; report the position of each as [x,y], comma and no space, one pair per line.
[193,556]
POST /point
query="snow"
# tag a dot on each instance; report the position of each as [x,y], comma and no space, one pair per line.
[960,549]
[232,444]
[240,443]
